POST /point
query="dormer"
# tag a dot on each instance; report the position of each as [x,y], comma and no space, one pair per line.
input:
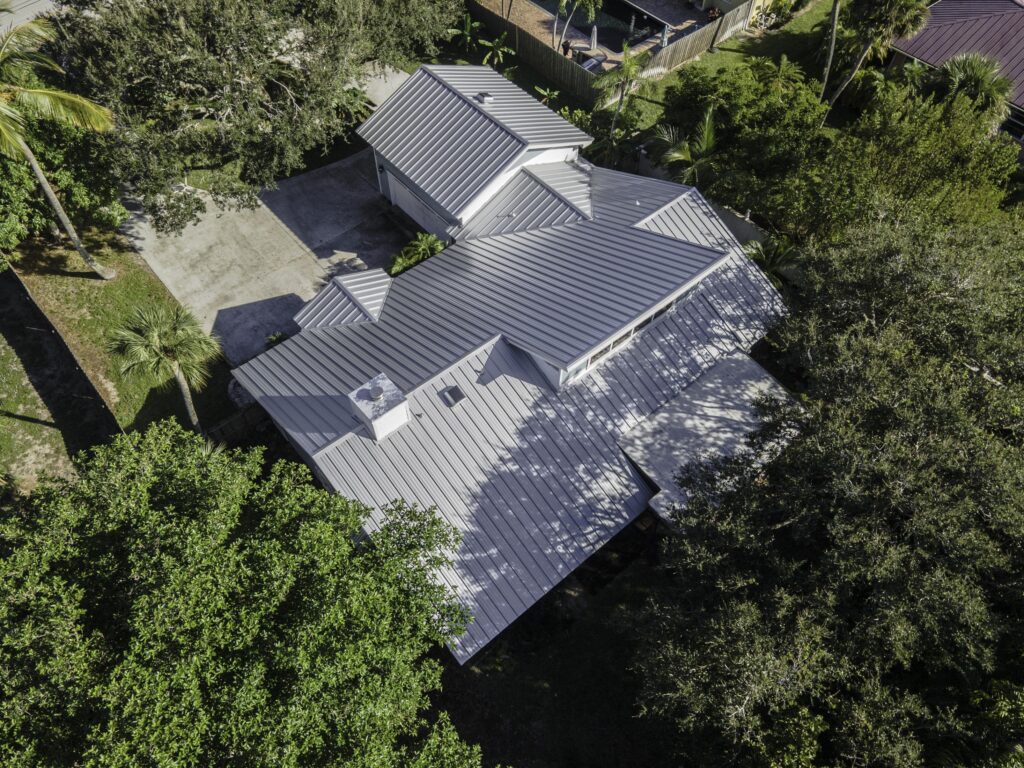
[357,297]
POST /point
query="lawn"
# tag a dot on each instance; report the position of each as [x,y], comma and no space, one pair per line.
[30,442]
[802,40]
[84,309]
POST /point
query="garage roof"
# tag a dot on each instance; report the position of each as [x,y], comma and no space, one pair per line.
[451,140]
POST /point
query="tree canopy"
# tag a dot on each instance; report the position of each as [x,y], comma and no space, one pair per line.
[850,592]
[905,154]
[175,606]
[230,91]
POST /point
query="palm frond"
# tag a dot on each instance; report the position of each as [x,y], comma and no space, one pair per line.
[12,130]
[26,39]
[159,341]
[62,107]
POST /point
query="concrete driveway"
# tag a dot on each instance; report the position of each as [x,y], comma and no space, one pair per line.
[246,273]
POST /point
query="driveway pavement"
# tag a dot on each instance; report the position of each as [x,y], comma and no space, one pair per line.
[246,273]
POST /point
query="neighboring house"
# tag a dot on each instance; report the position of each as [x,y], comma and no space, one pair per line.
[504,380]
[994,28]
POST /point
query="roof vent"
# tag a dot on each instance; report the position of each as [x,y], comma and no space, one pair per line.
[380,405]
[452,395]
[485,98]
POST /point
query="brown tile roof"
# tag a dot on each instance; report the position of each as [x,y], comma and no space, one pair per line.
[992,27]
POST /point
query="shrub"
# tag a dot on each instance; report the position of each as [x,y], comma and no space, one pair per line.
[421,248]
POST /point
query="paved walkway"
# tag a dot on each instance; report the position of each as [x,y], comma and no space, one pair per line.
[246,273]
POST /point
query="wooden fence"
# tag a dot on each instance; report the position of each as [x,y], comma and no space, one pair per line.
[695,43]
[562,72]
[572,79]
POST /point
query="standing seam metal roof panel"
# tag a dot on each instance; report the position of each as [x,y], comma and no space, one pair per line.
[534,479]
[450,145]
[994,28]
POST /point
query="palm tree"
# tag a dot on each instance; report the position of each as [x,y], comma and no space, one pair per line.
[496,50]
[467,32]
[623,82]
[21,98]
[776,256]
[167,343]
[834,31]
[692,158]
[978,77]
[879,22]
[780,74]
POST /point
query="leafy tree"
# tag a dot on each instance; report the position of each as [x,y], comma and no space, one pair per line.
[497,50]
[907,158]
[23,98]
[876,23]
[848,592]
[421,248]
[771,127]
[780,75]
[237,91]
[547,95]
[169,344]
[467,33]
[175,605]
[978,77]
[904,156]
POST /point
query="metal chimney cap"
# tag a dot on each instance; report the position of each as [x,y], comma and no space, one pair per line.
[377,393]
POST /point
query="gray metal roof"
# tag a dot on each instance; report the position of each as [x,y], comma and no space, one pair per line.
[522,204]
[449,144]
[534,479]
[559,292]
[691,218]
[357,297]
[991,27]
[569,181]
[712,417]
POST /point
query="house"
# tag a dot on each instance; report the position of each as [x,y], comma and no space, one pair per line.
[496,379]
[994,28]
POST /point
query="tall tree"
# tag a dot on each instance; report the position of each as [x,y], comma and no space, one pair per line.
[979,78]
[832,35]
[876,24]
[22,97]
[232,92]
[176,605]
[624,81]
[168,344]
[848,592]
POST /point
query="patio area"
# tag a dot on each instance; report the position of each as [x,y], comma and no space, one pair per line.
[639,22]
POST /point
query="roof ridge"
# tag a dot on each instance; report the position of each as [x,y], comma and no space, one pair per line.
[663,208]
[429,69]
[559,195]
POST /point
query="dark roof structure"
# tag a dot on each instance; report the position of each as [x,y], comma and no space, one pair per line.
[994,28]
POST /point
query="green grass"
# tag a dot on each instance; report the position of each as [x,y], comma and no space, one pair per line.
[802,40]
[85,309]
[30,442]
